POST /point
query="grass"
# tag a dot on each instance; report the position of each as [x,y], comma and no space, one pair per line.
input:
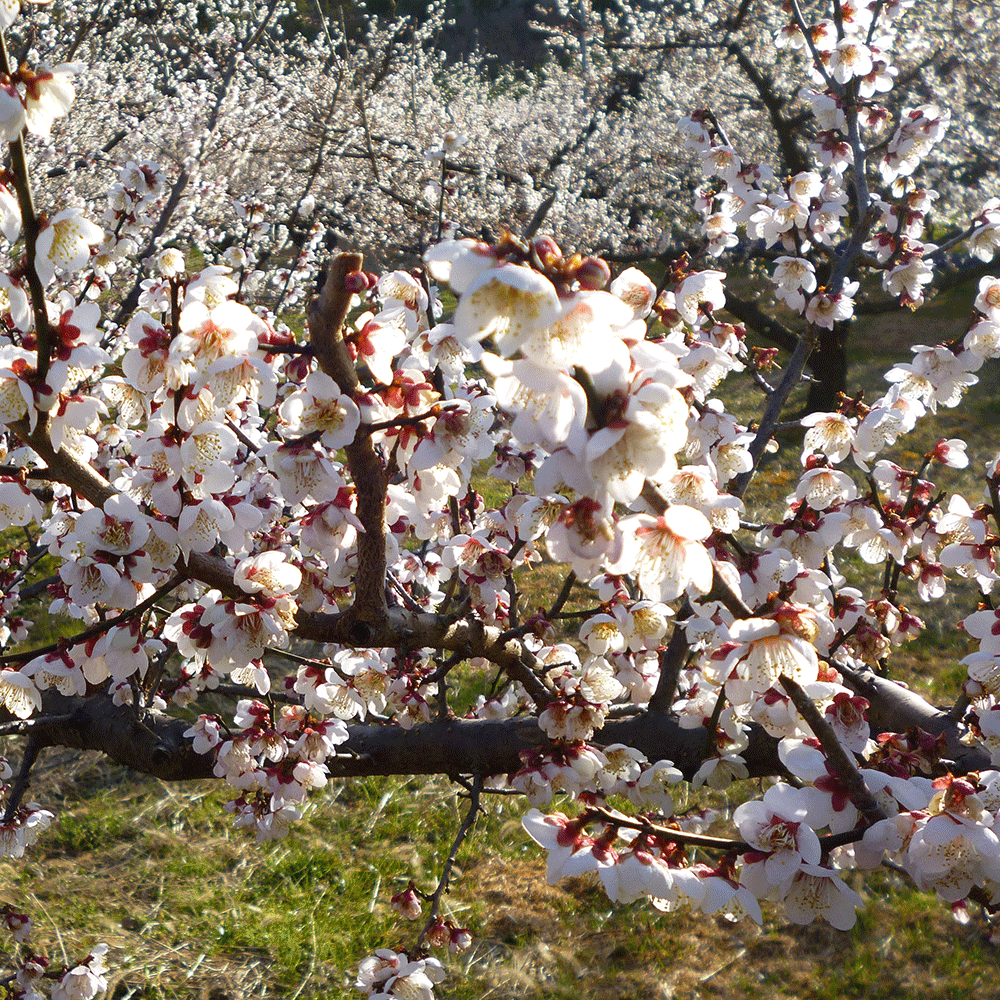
[193,908]
[159,874]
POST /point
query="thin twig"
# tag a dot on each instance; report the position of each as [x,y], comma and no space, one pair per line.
[16,471]
[676,836]
[306,661]
[817,59]
[31,750]
[442,887]
[563,596]
[101,627]
[367,131]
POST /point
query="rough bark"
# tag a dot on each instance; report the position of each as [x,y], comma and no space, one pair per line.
[327,316]
[153,743]
[828,367]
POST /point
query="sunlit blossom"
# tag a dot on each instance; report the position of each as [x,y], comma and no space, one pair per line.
[64,243]
[667,552]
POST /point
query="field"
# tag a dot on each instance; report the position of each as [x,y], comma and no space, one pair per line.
[192,908]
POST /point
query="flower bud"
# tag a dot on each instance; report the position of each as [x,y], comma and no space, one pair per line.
[593,274]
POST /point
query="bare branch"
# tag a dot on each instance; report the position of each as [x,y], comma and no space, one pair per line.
[449,864]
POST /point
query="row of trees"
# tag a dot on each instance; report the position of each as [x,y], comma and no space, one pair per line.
[338,123]
[200,486]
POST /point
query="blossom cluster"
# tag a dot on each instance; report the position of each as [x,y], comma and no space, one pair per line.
[235,130]
[392,974]
[273,763]
[82,981]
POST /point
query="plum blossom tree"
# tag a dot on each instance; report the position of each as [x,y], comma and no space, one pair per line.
[213,488]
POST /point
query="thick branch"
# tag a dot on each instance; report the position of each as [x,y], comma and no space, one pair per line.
[402,629]
[754,318]
[137,739]
[86,482]
[154,744]
[327,315]
[836,755]
[786,129]
[894,709]
[775,403]
[393,628]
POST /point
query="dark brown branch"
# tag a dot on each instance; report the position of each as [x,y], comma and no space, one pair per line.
[786,129]
[142,741]
[775,403]
[437,410]
[672,660]
[31,229]
[562,597]
[100,628]
[449,865]
[131,300]
[16,471]
[32,748]
[327,315]
[837,757]
[155,744]
[539,217]
[703,840]
[754,318]
[895,709]
[668,833]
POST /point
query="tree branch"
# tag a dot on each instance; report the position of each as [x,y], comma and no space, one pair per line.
[327,315]
[836,755]
[795,158]
[754,318]
[153,743]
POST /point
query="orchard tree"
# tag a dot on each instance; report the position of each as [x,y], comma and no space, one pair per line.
[209,488]
[336,130]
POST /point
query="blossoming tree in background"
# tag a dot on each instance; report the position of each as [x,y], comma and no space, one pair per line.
[213,489]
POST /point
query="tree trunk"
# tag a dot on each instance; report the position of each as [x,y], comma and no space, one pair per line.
[828,366]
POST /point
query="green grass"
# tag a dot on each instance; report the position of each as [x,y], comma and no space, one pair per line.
[194,908]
